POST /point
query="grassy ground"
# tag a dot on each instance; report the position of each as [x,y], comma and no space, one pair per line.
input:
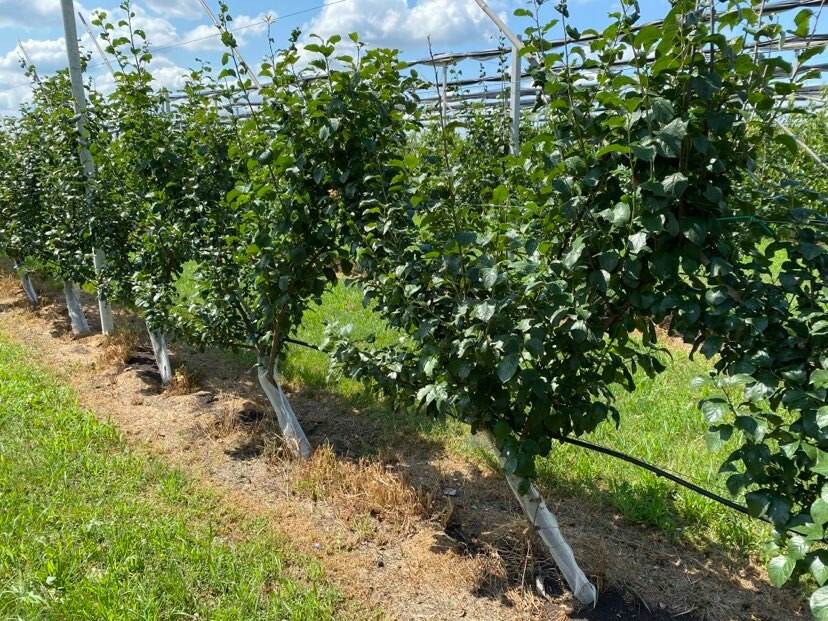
[90,531]
[659,423]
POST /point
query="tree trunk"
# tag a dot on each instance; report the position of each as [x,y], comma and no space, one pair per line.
[104,309]
[548,529]
[79,325]
[28,288]
[292,431]
[26,284]
[162,356]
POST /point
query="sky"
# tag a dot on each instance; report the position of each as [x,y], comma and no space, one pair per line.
[179,31]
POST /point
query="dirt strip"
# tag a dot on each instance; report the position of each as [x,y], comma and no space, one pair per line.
[408,532]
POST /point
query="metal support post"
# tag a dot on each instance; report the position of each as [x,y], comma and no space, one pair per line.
[73,55]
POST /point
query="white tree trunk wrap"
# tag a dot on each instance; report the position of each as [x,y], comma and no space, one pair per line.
[28,288]
[26,284]
[105,310]
[548,529]
[79,325]
[291,429]
[162,356]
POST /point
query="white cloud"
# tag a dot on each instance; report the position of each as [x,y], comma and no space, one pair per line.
[40,13]
[45,12]
[159,31]
[47,55]
[404,23]
[175,9]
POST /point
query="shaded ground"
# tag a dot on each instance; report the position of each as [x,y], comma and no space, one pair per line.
[409,531]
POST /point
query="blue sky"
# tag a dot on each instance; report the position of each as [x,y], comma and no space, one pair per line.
[180,31]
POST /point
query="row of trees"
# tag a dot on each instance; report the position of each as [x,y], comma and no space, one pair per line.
[527,286]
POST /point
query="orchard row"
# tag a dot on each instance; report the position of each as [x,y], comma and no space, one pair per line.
[526,287]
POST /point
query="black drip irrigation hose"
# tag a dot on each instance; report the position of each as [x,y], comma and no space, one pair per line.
[302,344]
[627,458]
[663,473]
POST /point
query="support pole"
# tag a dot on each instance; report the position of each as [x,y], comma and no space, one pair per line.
[26,283]
[517,46]
[501,25]
[804,147]
[444,98]
[547,528]
[515,100]
[80,327]
[162,355]
[92,36]
[73,56]
[292,431]
[234,51]
[28,60]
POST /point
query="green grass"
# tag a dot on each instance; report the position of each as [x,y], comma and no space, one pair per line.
[342,304]
[89,530]
[660,423]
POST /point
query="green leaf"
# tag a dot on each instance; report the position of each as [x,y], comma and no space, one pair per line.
[820,463]
[571,258]
[822,417]
[620,214]
[758,503]
[645,153]
[429,366]
[819,604]
[671,137]
[637,242]
[717,437]
[780,570]
[675,184]
[818,570]
[803,22]
[611,148]
[819,378]
[714,410]
[484,311]
[700,381]
[663,111]
[507,368]
[819,511]
[488,277]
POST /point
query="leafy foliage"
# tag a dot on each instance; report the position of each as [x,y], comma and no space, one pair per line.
[528,286]
[306,162]
[145,194]
[620,215]
[44,202]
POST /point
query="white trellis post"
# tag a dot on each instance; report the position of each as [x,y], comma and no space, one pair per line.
[444,97]
[25,278]
[234,51]
[542,519]
[517,46]
[515,100]
[92,36]
[26,283]
[76,77]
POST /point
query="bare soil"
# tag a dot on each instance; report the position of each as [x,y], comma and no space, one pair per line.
[409,532]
